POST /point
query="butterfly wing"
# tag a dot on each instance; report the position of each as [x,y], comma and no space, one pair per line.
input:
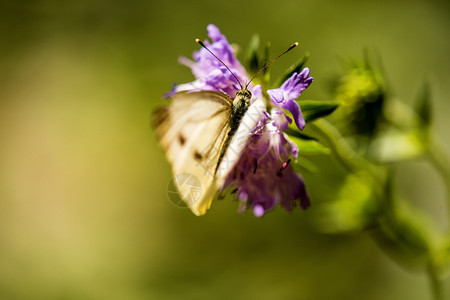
[192,130]
[247,126]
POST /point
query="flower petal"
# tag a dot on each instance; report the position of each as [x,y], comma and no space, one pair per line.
[210,71]
[258,210]
[279,118]
[296,112]
[256,93]
[276,96]
[214,33]
[291,88]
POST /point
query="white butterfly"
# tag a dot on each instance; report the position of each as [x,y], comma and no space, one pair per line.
[204,134]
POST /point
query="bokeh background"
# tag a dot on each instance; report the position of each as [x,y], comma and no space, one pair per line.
[84,212]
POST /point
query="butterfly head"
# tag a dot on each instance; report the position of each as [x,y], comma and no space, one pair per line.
[244,93]
[242,99]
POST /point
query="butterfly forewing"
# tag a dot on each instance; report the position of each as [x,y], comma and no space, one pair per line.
[192,131]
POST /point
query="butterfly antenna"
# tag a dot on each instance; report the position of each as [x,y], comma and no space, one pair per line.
[203,45]
[269,63]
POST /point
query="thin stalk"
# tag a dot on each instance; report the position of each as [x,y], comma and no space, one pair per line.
[435,282]
[342,151]
[438,157]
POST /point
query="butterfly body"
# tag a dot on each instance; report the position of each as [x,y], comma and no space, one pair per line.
[240,106]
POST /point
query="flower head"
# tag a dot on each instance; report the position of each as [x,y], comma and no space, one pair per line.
[263,176]
[361,93]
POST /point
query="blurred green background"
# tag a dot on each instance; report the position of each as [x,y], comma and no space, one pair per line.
[83,207]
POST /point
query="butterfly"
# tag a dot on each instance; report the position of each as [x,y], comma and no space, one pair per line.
[203,135]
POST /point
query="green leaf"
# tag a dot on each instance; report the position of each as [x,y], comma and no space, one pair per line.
[292,131]
[304,164]
[408,235]
[309,147]
[296,67]
[312,109]
[252,57]
[424,105]
[265,58]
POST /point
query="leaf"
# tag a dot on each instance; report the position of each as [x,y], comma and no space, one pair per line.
[265,59]
[424,105]
[304,164]
[312,109]
[252,57]
[292,131]
[409,236]
[309,146]
[295,68]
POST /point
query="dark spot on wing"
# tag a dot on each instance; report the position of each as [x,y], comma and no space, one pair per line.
[181,139]
[198,155]
[160,116]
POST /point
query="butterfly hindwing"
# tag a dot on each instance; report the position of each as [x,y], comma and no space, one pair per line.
[192,131]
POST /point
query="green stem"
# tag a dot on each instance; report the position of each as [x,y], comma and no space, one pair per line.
[342,151]
[403,116]
[438,157]
[435,282]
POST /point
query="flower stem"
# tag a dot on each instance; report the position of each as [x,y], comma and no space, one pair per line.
[435,282]
[342,151]
[403,116]
[438,157]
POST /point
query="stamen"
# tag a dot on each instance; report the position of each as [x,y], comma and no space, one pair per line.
[259,128]
[284,166]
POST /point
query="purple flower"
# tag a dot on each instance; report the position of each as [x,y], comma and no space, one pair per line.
[263,176]
[290,90]
[210,74]
[280,119]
